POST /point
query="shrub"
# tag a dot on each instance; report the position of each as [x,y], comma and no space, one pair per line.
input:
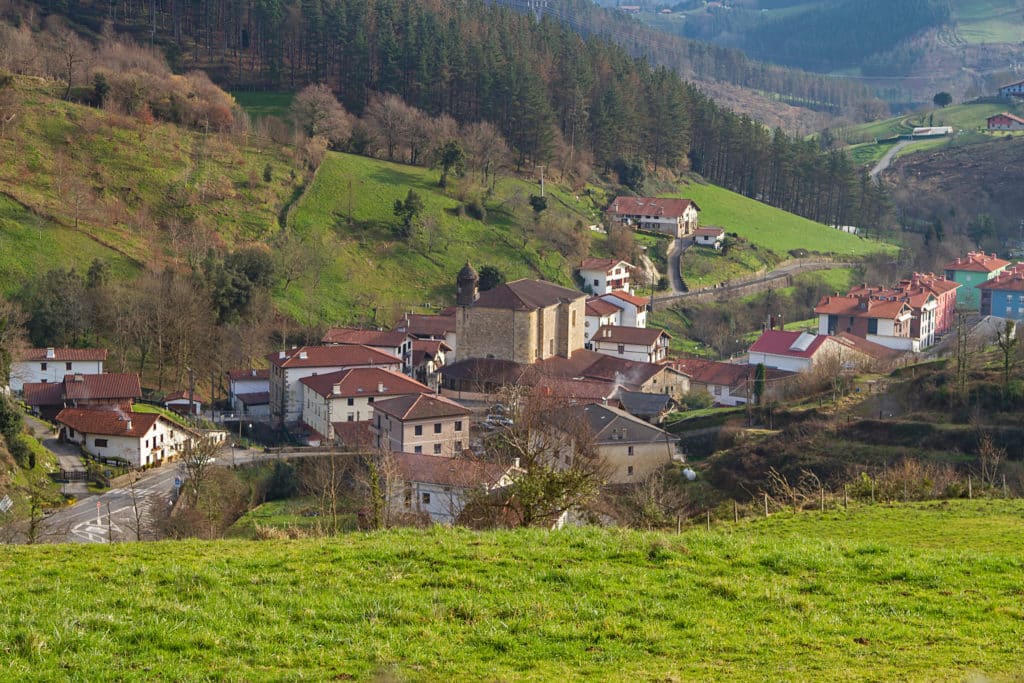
[475,208]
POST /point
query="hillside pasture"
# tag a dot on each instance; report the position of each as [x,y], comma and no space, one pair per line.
[915,592]
[770,228]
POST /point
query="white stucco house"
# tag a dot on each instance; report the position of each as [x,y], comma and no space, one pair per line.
[598,314]
[668,216]
[632,343]
[52,364]
[709,237]
[604,275]
[139,439]
[634,308]
[288,367]
[349,396]
[438,486]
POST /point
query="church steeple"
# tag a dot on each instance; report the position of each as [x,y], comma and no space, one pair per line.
[467,286]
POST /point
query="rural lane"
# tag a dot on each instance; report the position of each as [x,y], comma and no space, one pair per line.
[884,162]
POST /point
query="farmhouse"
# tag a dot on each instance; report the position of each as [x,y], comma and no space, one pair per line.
[673,217]
[726,383]
[1003,295]
[1015,89]
[601,276]
[800,351]
[970,271]
[428,357]
[709,237]
[439,487]
[178,401]
[632,343]
[1005,121]
[349,396]
[111,391]
[288,367]
[139,439]
[51,364]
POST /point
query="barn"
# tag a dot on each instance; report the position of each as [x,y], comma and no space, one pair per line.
[1005,121]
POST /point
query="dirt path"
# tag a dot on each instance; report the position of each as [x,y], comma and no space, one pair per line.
[884,162]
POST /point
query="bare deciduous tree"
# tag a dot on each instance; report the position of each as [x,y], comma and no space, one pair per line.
[197,458]
[317,113]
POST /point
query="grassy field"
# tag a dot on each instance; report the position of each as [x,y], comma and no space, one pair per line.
[770,228]
[349,210]
[294,513]
[988,21]
[960,116]
[261,104]
[921,592]
[143,193]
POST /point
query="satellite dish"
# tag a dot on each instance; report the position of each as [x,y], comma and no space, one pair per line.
[689,474]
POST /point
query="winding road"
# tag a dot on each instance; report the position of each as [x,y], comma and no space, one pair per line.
[886,160]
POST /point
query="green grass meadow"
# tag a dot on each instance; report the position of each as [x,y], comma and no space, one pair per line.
[988,21]
[260,104]
[349,209]
[916,593]
[771,228]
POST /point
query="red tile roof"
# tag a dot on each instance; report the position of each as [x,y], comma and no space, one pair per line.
[1008,115]
[977,262]
[356,382]
[599,308]
[861,307]
[938,284]
[43,393]
[709,232]
[603,264]
[427,325]
[781,343]
[356,434]
[420,407]
[1010,280]
[107,422]
[454,472]
[526,295]
[63,355]
[111,385]
[577,389]
[376,338]
[242,375]
[635,336]
[343,355]
[638,301]
[868,348]
[916,296]
[713,372]
[651,206]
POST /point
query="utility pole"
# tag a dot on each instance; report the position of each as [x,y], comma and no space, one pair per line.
[541,167]
[191,393]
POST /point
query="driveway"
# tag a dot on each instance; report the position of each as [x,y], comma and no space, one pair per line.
[675,256]
[884,162]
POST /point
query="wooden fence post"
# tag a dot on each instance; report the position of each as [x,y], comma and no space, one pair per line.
[846,496]
[736,509]
[709,520]
[766,505]
[970,488]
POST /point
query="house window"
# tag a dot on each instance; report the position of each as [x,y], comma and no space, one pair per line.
[351,401]
[630,450]
[458,425]
[596,282]
[458,446]
[417,449]
[573,319]
[622,349]
[67,366]
[437,427]
[426,499]
[873,326]
[408,496]
[629,470]
[370,400]
[718,390]
[437,449]
[551,346]
[100,443]
[418,430]
[351,417]
[42,366]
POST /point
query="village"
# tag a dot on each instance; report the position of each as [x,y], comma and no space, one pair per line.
[441,393]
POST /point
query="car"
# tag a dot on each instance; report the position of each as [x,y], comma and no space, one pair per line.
[499,421]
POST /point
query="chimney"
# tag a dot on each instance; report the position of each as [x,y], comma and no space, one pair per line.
[79,378]
[303,355]
[50,352]
[380,387]
[336,389]
[128,427]
[254,372]
[281,355]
